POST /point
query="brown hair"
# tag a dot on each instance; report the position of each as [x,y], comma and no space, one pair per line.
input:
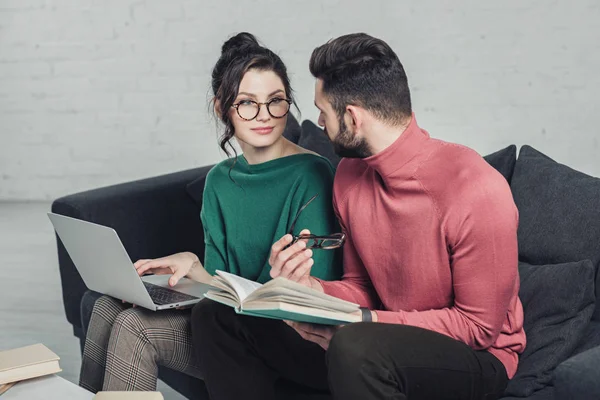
[362,70]
[240,54]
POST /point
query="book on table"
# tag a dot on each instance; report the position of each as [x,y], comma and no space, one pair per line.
[27,362]
[281,299]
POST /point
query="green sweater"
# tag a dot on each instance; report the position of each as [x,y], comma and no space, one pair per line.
[244,212]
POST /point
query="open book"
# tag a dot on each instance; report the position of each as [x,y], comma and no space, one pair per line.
[281,299]
[27,362]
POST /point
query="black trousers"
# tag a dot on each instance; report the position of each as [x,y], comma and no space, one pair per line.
[244,357]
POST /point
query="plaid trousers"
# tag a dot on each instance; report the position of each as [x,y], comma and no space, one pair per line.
[124,346]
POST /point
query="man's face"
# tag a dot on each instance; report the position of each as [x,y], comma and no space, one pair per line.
[345,142]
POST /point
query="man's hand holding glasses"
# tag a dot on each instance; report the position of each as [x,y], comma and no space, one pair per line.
[291,256]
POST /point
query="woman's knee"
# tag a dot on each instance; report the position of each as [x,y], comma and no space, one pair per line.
[130,321]
[105,302]
[106,308]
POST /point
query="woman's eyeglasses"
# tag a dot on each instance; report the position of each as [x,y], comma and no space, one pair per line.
[326,242]
[249,109]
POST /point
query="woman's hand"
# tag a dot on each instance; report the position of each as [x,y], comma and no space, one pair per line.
[179,265]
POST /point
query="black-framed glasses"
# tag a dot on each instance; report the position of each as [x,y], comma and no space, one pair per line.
[324,242]
[249,109]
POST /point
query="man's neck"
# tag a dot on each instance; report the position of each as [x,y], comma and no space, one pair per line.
[382,136]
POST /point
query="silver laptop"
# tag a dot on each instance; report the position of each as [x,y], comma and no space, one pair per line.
[105,267]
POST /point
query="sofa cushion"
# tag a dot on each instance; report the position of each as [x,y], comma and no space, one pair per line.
[546,393]
[579,377]
[195,189]
[590,338]
[559,211]
[504,161]
[558,302]
[314,139]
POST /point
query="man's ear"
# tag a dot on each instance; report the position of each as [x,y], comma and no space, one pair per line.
[355,118]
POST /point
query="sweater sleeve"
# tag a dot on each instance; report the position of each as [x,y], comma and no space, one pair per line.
[318,217]
[356,285]
[214,230]
[482,240]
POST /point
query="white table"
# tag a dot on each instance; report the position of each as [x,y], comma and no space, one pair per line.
[46,387]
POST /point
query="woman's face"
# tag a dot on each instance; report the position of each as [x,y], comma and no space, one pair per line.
[264,130]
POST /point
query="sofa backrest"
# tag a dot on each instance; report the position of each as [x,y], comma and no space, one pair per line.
[559,213]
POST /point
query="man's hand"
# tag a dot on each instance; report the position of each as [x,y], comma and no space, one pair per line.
[319,334]
[294,262]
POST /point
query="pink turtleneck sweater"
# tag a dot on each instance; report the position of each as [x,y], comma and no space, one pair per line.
[432,242]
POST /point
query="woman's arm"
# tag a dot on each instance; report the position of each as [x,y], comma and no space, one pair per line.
[215,250]
[319,217]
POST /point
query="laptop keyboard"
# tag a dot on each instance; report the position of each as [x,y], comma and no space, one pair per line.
[161,295]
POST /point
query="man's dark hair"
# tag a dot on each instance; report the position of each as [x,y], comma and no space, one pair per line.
[361,70]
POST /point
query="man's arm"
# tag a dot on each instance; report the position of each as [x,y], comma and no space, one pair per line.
[356,285]
[484,261]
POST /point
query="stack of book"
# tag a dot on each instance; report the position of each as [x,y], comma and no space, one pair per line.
[25,363]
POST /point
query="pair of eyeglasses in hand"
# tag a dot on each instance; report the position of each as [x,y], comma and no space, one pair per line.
[323,242]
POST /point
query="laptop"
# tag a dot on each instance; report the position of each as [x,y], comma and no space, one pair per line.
[105,267]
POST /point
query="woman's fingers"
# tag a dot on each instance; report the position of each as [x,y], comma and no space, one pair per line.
[158,263]
[177,275]
[139,263]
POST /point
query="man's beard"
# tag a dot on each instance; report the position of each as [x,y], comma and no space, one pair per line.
[347,145]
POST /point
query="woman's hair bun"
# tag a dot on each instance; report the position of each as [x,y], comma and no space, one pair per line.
[240,42]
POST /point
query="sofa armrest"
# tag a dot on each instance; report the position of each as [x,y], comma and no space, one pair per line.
[579,376]
[154,217]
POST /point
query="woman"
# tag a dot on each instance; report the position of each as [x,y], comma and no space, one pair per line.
[249,202]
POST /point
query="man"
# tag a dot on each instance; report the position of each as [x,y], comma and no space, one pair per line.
[431,256]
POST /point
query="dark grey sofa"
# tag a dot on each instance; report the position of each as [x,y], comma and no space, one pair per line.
[559,246]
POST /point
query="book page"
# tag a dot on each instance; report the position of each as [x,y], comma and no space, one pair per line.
[242,286]
[224,287]
[223,298]
[304,292]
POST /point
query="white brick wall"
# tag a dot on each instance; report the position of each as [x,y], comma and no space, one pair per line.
[95,92]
